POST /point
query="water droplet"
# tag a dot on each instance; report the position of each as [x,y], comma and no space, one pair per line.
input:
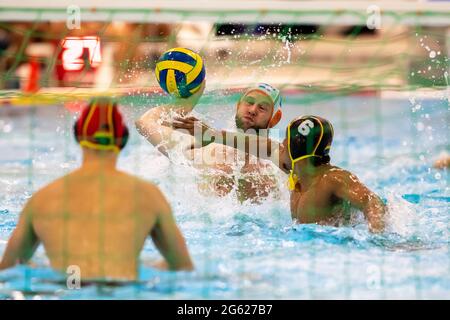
[432,54]
[7,128]
[437,176]
[420,126]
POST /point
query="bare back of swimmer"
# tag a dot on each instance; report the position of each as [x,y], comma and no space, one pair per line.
[97,218]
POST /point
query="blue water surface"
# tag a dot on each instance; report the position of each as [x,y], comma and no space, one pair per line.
[248,251]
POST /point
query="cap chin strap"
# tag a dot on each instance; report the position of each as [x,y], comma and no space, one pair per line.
[90,145]
[292,181]
[97,146]
[293,178]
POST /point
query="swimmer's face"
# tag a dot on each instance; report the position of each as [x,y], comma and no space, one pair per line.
[254,111]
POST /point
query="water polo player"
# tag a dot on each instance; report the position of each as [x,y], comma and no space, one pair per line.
[97,218]
[223,168]
[320,192]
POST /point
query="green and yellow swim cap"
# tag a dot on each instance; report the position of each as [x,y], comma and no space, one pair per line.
[308,136]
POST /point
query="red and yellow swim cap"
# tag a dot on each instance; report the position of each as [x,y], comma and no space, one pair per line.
[101,126]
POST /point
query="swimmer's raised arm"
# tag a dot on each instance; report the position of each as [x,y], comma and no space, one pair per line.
[257,145]
[22,243]
[169,240]
[151,125]
[347,187]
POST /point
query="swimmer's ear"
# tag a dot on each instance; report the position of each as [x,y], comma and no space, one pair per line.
[275,119]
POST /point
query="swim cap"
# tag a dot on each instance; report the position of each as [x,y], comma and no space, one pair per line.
[274,95]
[101,126]
[308,136]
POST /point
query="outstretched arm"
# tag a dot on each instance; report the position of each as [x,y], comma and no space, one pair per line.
[349,188]
[170,242]
[257,145]
[151,124]
[22,243]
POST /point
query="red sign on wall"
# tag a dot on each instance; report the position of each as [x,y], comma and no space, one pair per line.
[78,51]
[79,56]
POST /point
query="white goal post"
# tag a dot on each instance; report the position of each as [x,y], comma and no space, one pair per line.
[425,13]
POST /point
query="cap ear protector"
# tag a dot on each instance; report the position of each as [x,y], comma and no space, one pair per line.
[276,116]
[101,127]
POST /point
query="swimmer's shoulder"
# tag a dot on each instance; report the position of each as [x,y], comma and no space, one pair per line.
[335,176]
[151,198]
[336,180]
[52,189]
[41,198]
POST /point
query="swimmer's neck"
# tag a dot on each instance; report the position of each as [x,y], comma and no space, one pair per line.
[307,173]
[94,160]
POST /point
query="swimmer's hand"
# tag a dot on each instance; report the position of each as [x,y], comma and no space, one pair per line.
[187,104]
[196,128]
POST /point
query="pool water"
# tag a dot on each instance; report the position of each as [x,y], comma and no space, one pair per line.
[248,251]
